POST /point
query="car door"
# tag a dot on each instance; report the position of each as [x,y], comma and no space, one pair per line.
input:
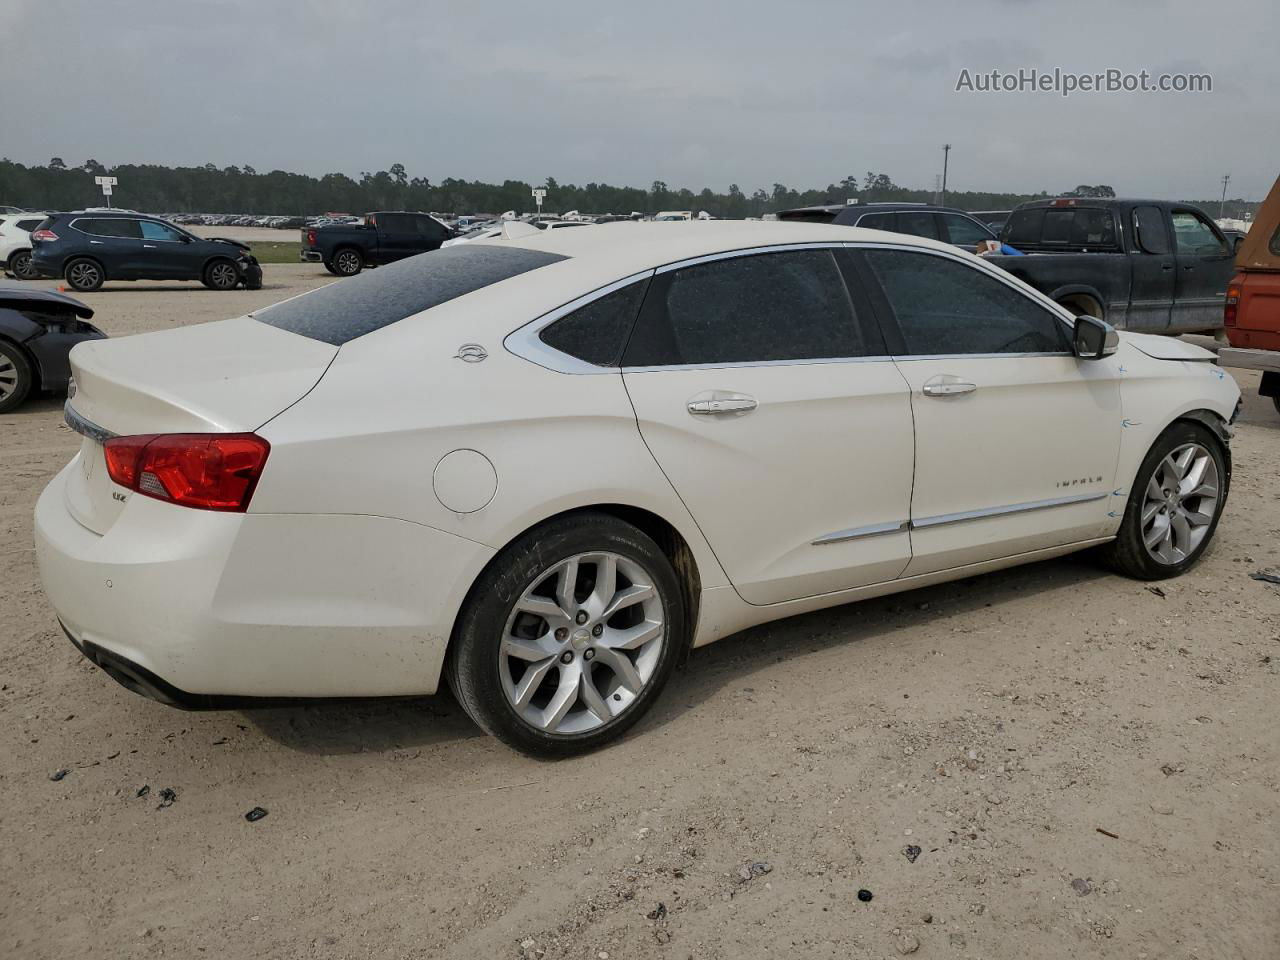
[397,236]
[762,389]
[1153,271]
[1205,265]
[115,242]
[164,252]
[1016,439]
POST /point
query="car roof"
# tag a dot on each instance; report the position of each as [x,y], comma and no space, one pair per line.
[611,251]
[1099,202]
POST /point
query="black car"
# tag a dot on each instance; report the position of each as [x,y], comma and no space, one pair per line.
[383,237]
[38,328]
[917,219]
[90,247]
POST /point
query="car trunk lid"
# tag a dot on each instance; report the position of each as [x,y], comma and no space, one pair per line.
[226,377]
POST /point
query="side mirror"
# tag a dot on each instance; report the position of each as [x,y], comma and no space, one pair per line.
[1094,339]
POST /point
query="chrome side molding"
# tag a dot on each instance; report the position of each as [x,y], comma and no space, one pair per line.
[879,529]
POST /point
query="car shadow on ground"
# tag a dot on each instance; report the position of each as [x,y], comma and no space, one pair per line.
[397,724]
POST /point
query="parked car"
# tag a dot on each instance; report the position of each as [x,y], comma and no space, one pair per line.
[15,243]
[1147,265]
[89,248]
[38,328]
[1252,312]
[383,237]
[915,219]
[545,467]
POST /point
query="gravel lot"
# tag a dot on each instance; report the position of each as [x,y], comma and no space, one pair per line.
[999,725]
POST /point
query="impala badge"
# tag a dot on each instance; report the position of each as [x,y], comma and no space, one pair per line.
[471,353]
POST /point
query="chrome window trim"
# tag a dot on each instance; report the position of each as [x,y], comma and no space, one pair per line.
[526,341]
[750,252]
[732,364]
[83,426]
[909,357]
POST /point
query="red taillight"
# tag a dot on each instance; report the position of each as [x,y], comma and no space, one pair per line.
[44,235]
[311,238]
[211,471]
[1231,304]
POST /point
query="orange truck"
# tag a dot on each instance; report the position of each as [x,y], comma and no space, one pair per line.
[1252,312]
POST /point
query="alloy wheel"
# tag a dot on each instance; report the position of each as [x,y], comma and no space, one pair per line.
[8,377]
[582,643]
[84,275]
[1181,500]
[348,262]
[22,266]
[223,276]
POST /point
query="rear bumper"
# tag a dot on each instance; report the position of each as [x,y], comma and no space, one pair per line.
[206,609]
[311,256]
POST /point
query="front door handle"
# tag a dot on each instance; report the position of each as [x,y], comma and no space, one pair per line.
[718,403]
[148,246]
[946,385]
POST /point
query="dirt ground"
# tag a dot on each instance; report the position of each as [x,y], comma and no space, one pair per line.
[999,725]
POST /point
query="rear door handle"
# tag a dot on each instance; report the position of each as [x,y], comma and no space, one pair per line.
[718,403]
[148,246]
[947,385]
[1166,266]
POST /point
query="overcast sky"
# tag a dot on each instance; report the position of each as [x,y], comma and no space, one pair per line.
[692,93]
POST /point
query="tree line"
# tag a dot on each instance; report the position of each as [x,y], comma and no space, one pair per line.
[210,189]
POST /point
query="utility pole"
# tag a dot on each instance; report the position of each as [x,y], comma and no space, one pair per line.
[946,152]
[1225,180]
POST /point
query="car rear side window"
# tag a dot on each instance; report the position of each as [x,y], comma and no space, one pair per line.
[28,225]
[350,308]
[1148,224]
[750,309]
[964,232]
[943,307]
[109,227]
[597,332]
[918,224]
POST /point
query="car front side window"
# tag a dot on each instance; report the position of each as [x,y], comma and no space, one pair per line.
[943,307]
[1194,236]
[151,230]
[760,308]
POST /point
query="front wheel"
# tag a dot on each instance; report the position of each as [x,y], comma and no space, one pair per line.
[21,266]
[1174,506]
[569,636]
[221,275]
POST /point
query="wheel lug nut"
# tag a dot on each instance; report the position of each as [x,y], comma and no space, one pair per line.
[581,617]
[588,654]
[562,633]
[566,657]
[597,630]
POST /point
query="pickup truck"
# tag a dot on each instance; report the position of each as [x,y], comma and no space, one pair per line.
[383,237]
[1252,313]
[1146,265]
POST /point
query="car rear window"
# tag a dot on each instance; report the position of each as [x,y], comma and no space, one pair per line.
[350,308]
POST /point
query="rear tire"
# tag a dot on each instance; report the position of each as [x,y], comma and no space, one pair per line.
[1174,507]
[15,376]
[84,275]
[221,275]
[540,665]
[347,262]
[329,266]
[21,265]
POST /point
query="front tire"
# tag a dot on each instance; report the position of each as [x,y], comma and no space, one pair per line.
[21,265]
[84,275]
[15,376]
[568,636]
[347,262]
[221,275]
[1174,506]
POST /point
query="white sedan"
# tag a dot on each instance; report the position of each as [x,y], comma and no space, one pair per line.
[545,467]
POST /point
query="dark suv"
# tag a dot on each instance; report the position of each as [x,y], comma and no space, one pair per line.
[92,246]
[918,219]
